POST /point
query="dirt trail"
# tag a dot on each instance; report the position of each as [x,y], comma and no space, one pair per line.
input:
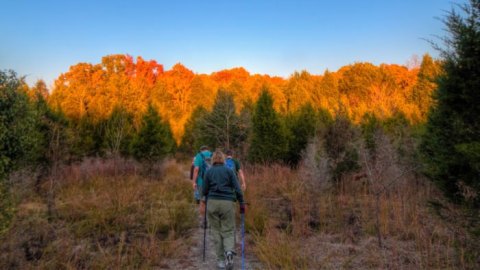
[193,259]
[196,251]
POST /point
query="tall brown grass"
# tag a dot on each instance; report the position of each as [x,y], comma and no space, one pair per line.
[102,221]
[112,217]
[377,217]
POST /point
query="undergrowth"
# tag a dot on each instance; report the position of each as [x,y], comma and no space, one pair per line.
[296,225]
[102,221]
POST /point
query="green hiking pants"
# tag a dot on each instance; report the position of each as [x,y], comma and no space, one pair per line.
[221,217]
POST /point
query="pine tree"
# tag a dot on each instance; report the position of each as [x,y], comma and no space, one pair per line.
[154,140]
[339,144]
[52,135]
[451,144]
[301,127]
[369,126]
[89,136]
[194,136]
[269,143]
[223,124]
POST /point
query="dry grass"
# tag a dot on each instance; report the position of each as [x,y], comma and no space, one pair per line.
[111,217]
[101,221]
[377,217]
[299,226]
[279,250]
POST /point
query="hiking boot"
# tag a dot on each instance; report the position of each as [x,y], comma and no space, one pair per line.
[229,260]
[221,265]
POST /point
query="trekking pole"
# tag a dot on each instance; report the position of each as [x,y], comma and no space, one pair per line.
[243,239]
[205,230]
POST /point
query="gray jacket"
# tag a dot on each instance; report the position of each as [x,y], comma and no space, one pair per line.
[221,183]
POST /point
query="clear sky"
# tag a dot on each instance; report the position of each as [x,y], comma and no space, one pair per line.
[43,38]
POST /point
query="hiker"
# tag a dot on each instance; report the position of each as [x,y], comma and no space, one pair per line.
[221,190]
[234,164]
[201,163]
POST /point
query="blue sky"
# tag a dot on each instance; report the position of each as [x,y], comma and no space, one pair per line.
[42,39]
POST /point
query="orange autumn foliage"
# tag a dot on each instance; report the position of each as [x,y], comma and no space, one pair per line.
[119,80]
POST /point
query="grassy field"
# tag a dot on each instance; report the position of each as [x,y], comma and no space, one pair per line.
[99,220]
[99,214]
[301,226]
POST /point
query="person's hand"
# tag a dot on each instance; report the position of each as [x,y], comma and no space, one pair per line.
[242,208]
[194,185]
[244,186]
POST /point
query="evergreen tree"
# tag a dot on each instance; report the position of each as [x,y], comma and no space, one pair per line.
[339,144]
[246,125]
[398,129]
[269,142]
[17,126]
[301,126]
[325,118]
[194,137]
[223,124]
[370,125]
[53,135]
[154,140]
[451,144]
[88,139]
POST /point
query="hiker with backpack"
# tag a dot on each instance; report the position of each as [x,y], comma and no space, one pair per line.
[221,190]
[201,163]
[234,164]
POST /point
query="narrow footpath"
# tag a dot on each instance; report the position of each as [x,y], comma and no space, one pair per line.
[196,252]
[194,258]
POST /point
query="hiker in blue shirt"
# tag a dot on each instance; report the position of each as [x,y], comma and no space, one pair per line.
[234,164]
[201,163]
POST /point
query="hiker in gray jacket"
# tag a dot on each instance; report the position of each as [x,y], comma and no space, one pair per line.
[221,190]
